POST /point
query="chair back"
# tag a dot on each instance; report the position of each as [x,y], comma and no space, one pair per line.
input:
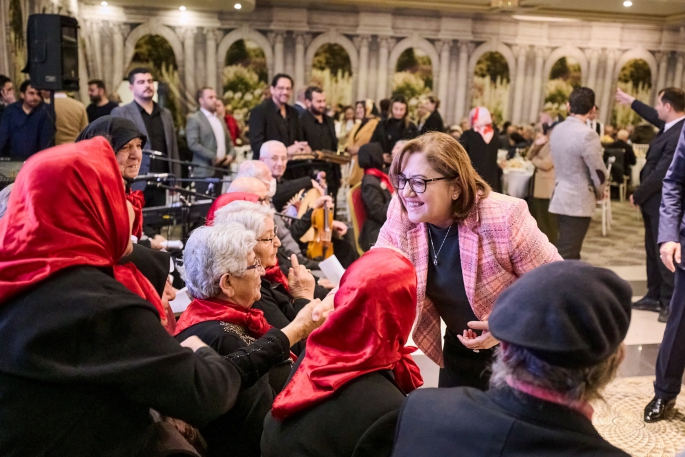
[357,212]
[617,169]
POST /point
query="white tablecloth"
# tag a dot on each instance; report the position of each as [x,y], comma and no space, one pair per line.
[635,171]
[516,182]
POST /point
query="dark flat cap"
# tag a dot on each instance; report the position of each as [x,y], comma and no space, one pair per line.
[569,314]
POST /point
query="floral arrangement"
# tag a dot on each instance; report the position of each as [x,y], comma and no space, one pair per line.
[337,87]
[242,90]
[492,95]
[412,86]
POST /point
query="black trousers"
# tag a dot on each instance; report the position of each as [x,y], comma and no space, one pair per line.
[670,364]
[463,367]
[572,231]
[659,279]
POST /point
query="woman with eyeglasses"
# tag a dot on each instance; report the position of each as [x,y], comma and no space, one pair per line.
[467,243]
[223,275]
[280,299]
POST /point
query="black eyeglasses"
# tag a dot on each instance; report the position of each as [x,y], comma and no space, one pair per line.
[270,240]
[257,263]
[418,185]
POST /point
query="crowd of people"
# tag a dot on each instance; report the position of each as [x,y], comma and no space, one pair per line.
[271,358]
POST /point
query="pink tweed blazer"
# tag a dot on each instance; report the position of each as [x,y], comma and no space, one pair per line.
[498,241]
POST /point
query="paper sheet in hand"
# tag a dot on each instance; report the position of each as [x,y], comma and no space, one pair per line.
[332,269]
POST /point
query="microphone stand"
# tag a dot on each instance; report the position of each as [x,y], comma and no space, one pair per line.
[185,204]
[155,155]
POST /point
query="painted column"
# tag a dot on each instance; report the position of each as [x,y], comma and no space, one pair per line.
[448,105]
[608,86]
[118,30]
[279,57]
[538,86]
[443,79]
[107,55]
[385,43]
[189,61]
[662,58]
[300,43]
[210,59]
[521,53]
[678,78]
[97,48]
[362,43]
[593,56]
[462,81]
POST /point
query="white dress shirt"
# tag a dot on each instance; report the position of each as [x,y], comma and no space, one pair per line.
[672,123]
[219,133]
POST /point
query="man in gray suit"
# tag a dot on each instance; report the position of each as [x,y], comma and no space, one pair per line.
[157,124]
[208,138]
[580,174]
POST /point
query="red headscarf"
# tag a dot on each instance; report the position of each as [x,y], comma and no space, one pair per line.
[225,199]
[385,179]
[68,208]
[214,309]
[137,200]
[374,312]
[481,122]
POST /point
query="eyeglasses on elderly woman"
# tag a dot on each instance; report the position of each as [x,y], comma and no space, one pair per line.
[270,240]
[418,185]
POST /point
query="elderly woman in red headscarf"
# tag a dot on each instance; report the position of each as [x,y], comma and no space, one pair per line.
[481,144]
[83,353]
[345,396]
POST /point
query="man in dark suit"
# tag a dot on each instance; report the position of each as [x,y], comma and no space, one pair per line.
[208,139]
[274,119]
[670,364]
[157,124]
[542,380]
[669,117]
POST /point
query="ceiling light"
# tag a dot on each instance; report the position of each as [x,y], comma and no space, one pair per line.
[103,4]
[183,8]
[627,3]
[237,6]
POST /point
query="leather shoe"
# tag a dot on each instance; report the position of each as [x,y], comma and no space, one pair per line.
[657,409]
[647,304]
[664,314]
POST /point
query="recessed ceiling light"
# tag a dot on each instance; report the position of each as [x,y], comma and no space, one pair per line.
[103,4]
[237,6]
[627,3]
[183,8]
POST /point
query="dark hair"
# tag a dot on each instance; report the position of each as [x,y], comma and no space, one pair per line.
[384,105]
[674,97]
[274,81]
[97,82]
[309,93]
[403,100]
[201,92]
[24,86]
[4,80]
[434,101]
[581,101]
[137,71]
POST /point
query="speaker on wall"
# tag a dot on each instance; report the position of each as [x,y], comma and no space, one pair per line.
[52,52]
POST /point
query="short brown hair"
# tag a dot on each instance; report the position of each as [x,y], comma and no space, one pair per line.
[201,92]
[446,156]
[674,97]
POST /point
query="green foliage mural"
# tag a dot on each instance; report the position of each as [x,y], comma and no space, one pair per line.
[413,77]
[635,78]
[16,22]
[563,78]
[244,78]
[332,71]
[493,65]
[491,82]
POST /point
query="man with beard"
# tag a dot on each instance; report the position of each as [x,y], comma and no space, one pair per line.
[26,127]
[100,105]
[6,93]
[318,130]
[157,124]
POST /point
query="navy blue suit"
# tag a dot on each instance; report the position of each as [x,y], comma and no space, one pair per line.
[670,363]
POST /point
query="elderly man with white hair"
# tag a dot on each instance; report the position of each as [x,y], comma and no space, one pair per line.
[223,275]
[282,299]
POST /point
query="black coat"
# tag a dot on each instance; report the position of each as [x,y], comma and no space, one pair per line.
[239,430]
[483,157]
[287,188]
[471,423]
[266,124]
[357,421]
[83,360]
[659,156]
[375,197]
[390,131]
[434,123]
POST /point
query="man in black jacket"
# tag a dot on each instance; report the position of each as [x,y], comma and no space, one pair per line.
[669,117]
[274,119]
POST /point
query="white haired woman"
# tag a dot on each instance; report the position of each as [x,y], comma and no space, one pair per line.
[223,276]
[279,303]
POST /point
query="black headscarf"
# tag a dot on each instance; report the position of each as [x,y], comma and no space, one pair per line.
[117,130]
[371,156]
[154,265]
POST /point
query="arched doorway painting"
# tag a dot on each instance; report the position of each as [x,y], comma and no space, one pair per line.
[491,82]
[563,78]
[332,71]
[244,78]
[413,77]
[634,78]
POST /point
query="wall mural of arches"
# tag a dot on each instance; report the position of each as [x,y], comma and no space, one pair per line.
[155,52]
[244,77]
[413,77]
[564,76]
[634,78]
[332,71]
[491,85]
[17,43]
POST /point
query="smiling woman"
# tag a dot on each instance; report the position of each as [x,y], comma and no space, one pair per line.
[478,243]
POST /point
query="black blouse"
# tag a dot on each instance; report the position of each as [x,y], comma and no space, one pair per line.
[484,157]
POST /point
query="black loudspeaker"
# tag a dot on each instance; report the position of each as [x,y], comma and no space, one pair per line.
[52,52]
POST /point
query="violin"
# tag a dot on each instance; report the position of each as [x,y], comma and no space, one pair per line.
[321,247]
